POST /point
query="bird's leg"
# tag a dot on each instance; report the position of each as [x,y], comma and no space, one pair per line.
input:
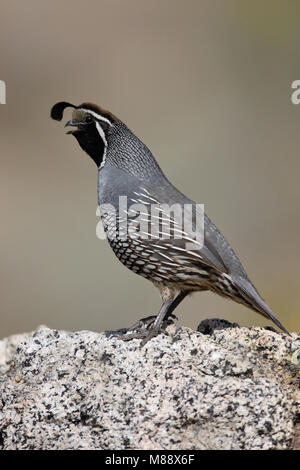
[166,294]
[160,322]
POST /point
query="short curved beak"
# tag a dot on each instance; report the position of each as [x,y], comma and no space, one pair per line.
[72,122]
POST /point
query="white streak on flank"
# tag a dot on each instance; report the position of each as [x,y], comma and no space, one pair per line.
[145,233]
[97,116]
[167,257]
[130,213]
[159,246]
[174,247]
[195,254]
[143,220]
[144,202]
[102,135]
[192,253]
[164,233]
[147,196]
[141,194]
[161,217]
[178,230]
[141,213]
[144,189]
[228,277]
[193,240]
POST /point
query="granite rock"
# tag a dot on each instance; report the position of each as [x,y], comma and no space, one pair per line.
[236,388]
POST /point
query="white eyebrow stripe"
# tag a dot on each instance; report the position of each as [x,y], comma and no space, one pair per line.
[96,115]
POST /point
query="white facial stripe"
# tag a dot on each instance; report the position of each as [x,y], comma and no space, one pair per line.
[102,135]
[97,116]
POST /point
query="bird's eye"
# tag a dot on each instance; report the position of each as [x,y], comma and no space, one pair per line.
[88,118]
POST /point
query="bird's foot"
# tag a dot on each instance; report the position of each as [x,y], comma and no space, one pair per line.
[144,329]
[145,335]
[147,322]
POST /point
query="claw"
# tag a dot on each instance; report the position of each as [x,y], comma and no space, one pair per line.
[143,329]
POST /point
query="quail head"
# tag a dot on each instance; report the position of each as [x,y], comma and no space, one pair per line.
[143,213]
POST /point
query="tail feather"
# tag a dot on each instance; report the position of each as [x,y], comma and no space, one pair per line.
[256,302]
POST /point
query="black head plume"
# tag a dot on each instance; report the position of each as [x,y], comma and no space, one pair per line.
[57,110]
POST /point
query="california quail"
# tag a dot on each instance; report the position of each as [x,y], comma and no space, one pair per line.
[129,178]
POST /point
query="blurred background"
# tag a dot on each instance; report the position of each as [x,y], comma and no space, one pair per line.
[206,84]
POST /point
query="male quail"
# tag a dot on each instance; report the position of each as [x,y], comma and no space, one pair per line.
[127,171]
